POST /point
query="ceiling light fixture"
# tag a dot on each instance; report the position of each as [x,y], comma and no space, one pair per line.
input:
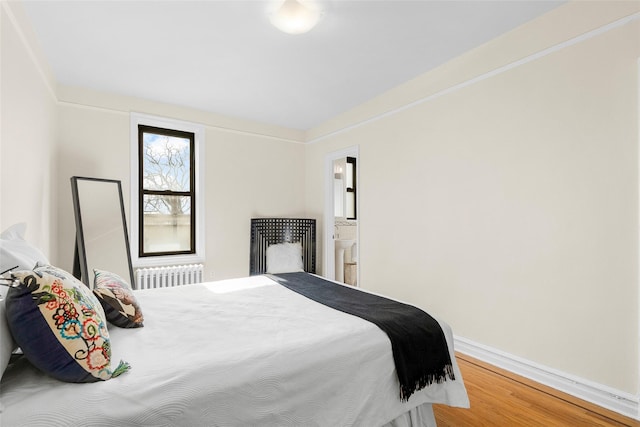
[296,16]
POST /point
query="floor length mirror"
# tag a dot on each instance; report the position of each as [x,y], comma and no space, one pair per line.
[101,230]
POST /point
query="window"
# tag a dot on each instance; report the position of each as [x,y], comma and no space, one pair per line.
[166,192]
[167,213]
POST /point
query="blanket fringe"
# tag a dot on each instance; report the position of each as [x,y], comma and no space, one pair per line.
[407,390]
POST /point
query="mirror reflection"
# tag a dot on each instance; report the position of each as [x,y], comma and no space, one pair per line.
[102,241]
[344,188]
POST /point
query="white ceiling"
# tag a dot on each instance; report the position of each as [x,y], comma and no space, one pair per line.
[225,57]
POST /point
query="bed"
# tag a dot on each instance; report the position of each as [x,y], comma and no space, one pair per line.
[240,352]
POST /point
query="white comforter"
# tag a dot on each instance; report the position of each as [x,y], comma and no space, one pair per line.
[243,352]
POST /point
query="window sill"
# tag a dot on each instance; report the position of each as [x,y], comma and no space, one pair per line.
[167,260]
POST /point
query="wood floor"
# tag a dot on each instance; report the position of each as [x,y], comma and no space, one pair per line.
[500,398]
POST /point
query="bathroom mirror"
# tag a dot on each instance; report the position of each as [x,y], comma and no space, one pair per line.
[102,241]
[344,188]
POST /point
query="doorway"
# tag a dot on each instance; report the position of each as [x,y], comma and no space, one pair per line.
[341,214]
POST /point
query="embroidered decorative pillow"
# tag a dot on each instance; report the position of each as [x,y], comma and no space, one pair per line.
[60,326]
[117,299]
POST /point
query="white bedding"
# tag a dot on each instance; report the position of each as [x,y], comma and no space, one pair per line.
[242,352]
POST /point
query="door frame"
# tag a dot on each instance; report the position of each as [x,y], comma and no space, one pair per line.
[329,267]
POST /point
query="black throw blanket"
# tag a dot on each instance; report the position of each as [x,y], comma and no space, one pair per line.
[419,346]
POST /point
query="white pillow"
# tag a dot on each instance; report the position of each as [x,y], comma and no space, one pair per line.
[284,258]
[6,339]
[14,252]
[17,252]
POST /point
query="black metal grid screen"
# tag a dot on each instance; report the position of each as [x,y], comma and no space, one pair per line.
[270,231]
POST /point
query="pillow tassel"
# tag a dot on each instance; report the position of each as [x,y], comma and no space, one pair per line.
[121,369]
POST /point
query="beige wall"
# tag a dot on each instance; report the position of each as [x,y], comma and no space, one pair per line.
[27,139]
[247,174]
[508,206]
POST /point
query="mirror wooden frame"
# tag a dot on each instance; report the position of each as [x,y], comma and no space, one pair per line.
[80,269]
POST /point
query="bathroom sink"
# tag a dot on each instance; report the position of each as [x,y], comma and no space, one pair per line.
[344,243]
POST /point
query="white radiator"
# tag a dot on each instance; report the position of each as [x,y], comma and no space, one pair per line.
[168,276]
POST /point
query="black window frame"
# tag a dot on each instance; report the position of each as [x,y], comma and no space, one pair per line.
[142,129]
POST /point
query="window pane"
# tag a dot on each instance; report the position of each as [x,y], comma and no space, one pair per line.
[166,162]
[349,175]
[167,223]
[350,208]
